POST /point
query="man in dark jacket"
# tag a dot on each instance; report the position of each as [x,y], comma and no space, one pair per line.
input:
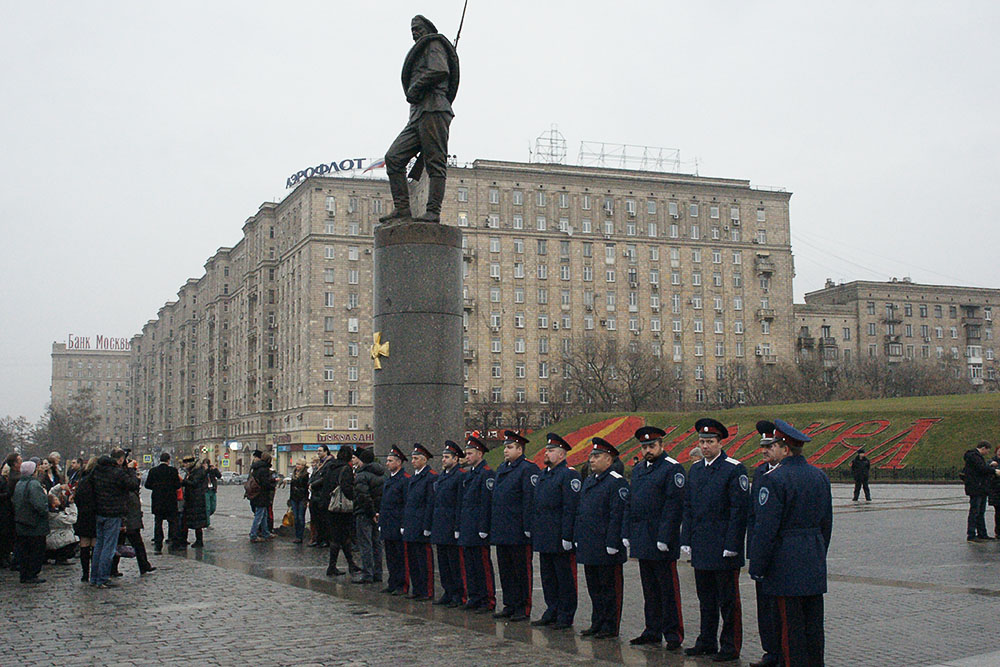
[390,522]
[8,480]
[767,608]
[511,527]
[319,498]
[260,470]
[367,499]
[474,528]
[430,80]
[977,475]
[112,484]
[417,517]
[444,525]
[164,481]
[860,467]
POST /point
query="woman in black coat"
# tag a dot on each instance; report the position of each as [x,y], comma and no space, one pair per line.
[86,516]
[133,532]
[298,498]
[341,475]
[195,513]
[994,497]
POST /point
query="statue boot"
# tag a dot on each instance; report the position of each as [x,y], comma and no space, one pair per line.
[435,195]
[400,199]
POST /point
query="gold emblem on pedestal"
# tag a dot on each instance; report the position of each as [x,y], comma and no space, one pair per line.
[379,349]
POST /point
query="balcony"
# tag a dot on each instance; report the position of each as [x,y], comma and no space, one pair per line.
[469,355]
[973,321]
[769,359]
[893,338]
[764,265]
[828,341]
[765,313]
[891,319]
[468,303]
[468,254]
[806,342]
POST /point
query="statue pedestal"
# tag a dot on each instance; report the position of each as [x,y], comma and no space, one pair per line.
[418,311]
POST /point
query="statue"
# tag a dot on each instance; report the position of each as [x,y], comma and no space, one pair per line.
[430,81]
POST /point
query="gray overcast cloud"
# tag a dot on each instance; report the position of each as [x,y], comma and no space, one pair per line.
[138,137]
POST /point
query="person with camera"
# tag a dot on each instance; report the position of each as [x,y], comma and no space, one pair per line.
[114,477]
[60,543]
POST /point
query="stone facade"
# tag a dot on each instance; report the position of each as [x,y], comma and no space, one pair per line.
[106,372]
[269,348]
[900,320]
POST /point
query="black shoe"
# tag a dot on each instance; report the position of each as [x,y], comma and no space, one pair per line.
[542,622]
[644,639]
[506,613]
[33,580]
[85,578]
[313,544]
[411,596]
[469,606]
[334,571]
[198,545]
[158,550]
[673,645]
[117,574]
[147,570]
[560,626]
[398,592]
[484,610]
[454,604]
[423,598]
[361,580]
[518,617]
[766,661]
[700,650]
[726,657]
[605,634]
[589,632]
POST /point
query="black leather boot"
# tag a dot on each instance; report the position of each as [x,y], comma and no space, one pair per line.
[400,199]
[435,196]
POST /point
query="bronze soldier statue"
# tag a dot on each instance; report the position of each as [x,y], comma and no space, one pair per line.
[430,80]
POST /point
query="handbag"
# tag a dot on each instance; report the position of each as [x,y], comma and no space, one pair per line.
[339,503]
[126,551]
[289,519]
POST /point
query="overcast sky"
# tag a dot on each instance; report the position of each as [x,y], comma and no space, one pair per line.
[136,138]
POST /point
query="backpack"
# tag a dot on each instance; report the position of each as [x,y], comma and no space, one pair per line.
[251,488]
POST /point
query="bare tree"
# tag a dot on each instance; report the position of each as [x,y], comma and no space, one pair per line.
[601,374]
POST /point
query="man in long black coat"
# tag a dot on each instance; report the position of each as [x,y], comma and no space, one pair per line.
[164,481]
[977,475]
[860,468]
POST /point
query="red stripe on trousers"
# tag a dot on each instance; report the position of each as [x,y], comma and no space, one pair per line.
[491,591]
[618,596]
[430,571]
[531,580]
[737,613]
[572,564]
[783,619]
[406,566]
[461,565]
[677,600]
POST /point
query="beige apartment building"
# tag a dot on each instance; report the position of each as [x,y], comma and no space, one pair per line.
[899,320]
[269,348]
[101,365]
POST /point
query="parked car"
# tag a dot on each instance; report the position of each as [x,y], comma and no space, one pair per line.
[239,479]
[227,477]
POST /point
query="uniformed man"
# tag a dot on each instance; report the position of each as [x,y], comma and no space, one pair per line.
[653,535]
[792,527]
[417,517]
[767,611]
[599,547]
[444,526]
[557,490]
[713,533]
[511,527]
[474,528]
[390,522]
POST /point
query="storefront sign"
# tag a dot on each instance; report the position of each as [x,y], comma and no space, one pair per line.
[98,342]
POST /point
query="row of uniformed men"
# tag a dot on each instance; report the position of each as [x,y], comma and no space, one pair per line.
[711,512]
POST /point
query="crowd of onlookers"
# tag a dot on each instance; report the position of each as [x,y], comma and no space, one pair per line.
[92,510]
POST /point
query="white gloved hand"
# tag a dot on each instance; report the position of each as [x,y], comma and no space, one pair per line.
[567,545]
[482,536]
[456,534]
[612,551]
[686,550]
[402,530]
[661,546]
[626,543]
[427,533]
[726,553]
[527,533]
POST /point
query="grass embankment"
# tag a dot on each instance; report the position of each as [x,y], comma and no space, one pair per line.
[908,439]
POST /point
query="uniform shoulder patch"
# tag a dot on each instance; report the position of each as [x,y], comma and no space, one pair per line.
[768,472]
[575,484]
[732,460]
[623,492]
[671,461]
[489,483]
[616,475]
[679,480]
[534,480]
[744,482]
[763,495]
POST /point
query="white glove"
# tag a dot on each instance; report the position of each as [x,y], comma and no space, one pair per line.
[612,551]
[726,553]
[567,545]
[402,530]
[427,533]
[626,543]
[527,533]
[482,536]
[686,550]
[661,546]
[456,534]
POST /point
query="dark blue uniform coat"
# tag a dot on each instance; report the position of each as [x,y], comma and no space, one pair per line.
[390,518]
[715,513]
[792,527]
[475,506]
[447,500]
[419,510]
[655,509]
[600,513]
[512,502]
[556,494]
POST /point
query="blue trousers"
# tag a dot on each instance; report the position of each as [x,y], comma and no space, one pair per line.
[299,511]
[558,571]
[395,563]
[259,527]
[977,516]
[768,624]
[661,594]
[105,545]
[452,573]
[420,560]
[516,579]
[480,589]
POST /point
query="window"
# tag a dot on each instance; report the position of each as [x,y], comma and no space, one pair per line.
[518,295]
[519,320]
[923,310]
[519,346]
[352,325]
[699,325]
[328,348]
[352,253]
[518,222]
[352,373]
[737,303]
[494,244]
[693,210]
[563,200]
[495,370]
[937,312]
[564,272]
[495,345]
[328,324]
[329,227]
[543,321]
[376,207]
[494,295]
[716,257]
[908,310]
[518,270]
[463,194]
[494,195]
[588,273]
[352,396]
[696,278]
[543,369]
[609,227]
[761,236]
[328,299]
[331,205]
[540,223]
[674,230]
[585,202]
[327,397]
[495,394]
[676,326]
[543,271]
[463,219]
[519,246]
[328,275]
[540,198]
[695,232]
[609,276]
[713,212]
[761,215]
[352,277]
[871,328]
[495,319]
[517,198]
[585,225]
[329,252]
[738,326]
[734,213]
[519,371]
